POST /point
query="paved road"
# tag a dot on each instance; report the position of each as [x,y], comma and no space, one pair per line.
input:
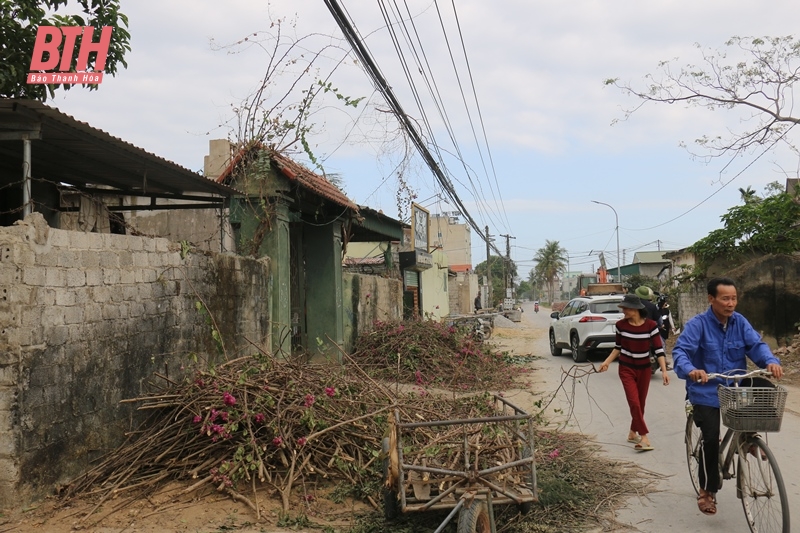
[600,410]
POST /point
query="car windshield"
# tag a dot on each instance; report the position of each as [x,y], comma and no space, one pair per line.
[605,307]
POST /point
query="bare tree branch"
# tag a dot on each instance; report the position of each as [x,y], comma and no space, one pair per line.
[754,75]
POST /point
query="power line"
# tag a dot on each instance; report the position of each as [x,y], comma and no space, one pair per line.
[382,86]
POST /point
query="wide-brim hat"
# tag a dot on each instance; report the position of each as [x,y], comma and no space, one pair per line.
[644,292]
[631,301]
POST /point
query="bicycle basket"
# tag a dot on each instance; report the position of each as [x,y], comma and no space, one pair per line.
[756,405]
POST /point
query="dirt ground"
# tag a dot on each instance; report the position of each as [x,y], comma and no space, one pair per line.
[169,511]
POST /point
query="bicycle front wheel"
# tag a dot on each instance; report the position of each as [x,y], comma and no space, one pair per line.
[694,447]
[760,486]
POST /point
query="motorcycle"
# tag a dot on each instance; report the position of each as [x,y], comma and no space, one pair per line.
[535,308]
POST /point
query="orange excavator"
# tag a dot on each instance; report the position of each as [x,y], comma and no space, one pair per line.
[602,273]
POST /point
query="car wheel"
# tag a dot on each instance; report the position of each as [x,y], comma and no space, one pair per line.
[554,350]
[578,353]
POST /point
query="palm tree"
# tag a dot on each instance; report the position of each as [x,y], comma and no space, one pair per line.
[551,260]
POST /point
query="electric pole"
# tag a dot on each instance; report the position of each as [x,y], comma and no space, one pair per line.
[488,270]
[508,279]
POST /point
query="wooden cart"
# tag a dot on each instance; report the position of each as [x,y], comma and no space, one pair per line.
[470,466]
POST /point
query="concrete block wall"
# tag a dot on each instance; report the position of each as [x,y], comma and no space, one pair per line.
[85,321]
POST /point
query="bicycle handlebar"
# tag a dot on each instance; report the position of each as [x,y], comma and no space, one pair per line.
[738,377]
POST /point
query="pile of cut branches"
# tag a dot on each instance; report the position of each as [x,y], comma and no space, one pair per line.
[259,425]
[429,353]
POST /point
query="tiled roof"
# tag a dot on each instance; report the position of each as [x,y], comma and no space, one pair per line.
[294,171]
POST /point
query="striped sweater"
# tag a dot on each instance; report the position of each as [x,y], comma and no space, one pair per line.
[634,343]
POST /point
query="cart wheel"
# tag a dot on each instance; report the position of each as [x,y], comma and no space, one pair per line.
[391,506]
[474,518]
[525,507]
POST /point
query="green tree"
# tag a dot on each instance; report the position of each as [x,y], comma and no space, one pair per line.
[753,74]
[767,226]
[19,21]
[551,260]
[637,280]
[524,289]
[498,276]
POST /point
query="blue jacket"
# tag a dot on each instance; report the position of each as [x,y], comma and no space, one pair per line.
[703,344]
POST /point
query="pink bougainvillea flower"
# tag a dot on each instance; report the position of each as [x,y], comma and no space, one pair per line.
[418,377]
[199,383]
[213,416]
[216,428]
[553,454]
[277,441]
[223,415]
[302,441]
[330,391]
[228,399]
[309,401]
[197,419]
[260,418]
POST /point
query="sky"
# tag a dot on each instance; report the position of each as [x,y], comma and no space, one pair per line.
[538,134]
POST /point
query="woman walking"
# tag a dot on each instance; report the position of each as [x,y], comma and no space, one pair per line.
[637,336]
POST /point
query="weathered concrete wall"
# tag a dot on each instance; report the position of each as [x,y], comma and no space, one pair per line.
[368,298]
[463,289]
[769,296]
[85,321]
[692,301]
[434,282]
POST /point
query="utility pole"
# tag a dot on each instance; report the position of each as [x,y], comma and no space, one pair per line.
[488,270]
[508,263]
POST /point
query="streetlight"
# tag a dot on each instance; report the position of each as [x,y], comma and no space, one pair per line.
[619,277]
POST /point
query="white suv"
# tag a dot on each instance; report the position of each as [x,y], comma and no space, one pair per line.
[585,324]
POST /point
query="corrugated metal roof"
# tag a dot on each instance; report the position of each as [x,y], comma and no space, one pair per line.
[74,152]
[295,172]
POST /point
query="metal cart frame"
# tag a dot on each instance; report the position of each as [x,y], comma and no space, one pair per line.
[472,490]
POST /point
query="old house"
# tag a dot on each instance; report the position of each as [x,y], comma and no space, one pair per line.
[303,223]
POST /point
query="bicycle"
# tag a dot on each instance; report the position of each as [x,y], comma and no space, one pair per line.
[746,409]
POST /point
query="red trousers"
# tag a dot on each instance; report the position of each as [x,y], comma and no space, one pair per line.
[636,383]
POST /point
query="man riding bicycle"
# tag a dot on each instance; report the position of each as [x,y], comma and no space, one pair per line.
[716,341]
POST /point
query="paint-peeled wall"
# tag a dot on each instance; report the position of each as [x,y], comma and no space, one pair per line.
[434,282]
[367,298]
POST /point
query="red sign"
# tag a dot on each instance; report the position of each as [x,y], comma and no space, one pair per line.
[48,42]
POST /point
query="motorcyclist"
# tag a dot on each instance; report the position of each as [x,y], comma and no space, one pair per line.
[535,307]
[667,323]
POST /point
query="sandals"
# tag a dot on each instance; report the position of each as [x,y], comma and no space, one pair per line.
[636,440]
[643,447]
[707,504]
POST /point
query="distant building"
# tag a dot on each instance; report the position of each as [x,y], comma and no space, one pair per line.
[454,238]
[569,281]
[681,261]
[648,264]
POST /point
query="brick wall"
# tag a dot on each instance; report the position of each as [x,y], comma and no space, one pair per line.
[85,321]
